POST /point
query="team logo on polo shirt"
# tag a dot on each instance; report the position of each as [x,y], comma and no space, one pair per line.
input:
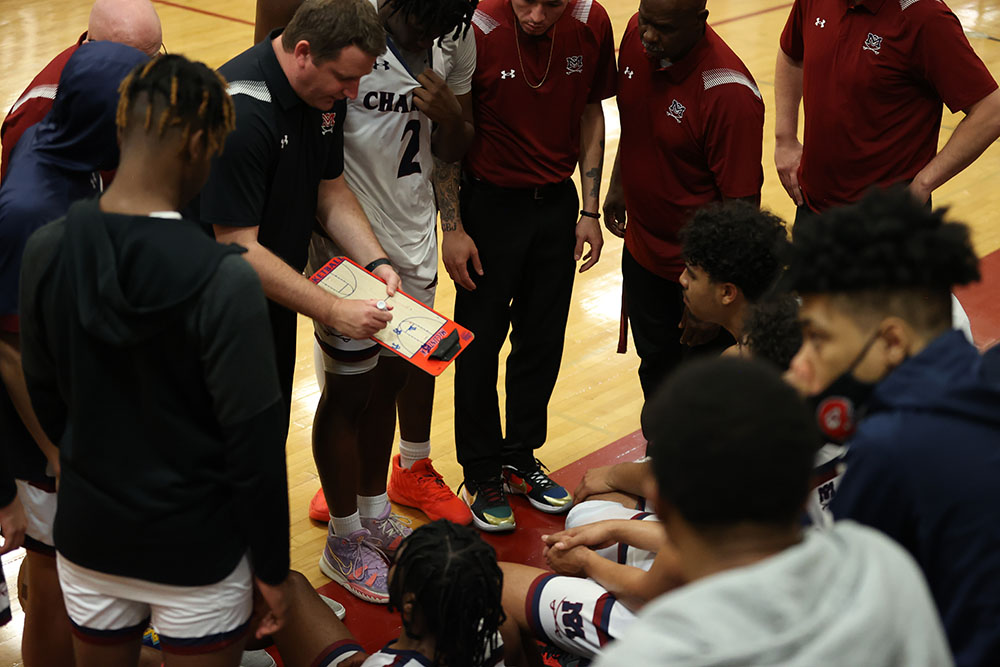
[676,110]
[574,65]
[873,43]
[329,120]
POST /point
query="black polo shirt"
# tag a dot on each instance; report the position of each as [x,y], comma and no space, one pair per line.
[268,175]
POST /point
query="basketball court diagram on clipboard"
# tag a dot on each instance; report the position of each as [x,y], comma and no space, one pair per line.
[416,332]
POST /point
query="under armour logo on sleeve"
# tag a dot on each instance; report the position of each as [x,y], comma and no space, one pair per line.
[284,141]
[821,22]
[629,72]
[507,74]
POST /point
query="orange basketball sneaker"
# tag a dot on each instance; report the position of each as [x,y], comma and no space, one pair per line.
[318,510]
[423,488]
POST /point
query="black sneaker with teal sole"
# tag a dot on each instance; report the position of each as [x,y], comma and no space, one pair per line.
[490,510]
[541,491]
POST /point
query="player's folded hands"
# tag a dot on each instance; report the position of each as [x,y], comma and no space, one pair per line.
[597,535]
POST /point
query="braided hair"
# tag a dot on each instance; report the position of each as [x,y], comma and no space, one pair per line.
[183,94]
[457,584]
[453,16]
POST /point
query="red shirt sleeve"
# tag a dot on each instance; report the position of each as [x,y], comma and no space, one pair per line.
[734,136]
[26,115]
[606,73]
[791,36]
[943,56]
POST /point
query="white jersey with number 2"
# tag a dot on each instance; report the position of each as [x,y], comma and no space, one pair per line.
[387,149]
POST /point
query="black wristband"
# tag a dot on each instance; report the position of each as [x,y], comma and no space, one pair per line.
[381,261]
[588,214]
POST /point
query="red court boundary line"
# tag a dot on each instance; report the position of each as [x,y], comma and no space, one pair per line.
[751,14]
[203,11]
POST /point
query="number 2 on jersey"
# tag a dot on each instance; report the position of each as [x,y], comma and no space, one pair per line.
[408,164]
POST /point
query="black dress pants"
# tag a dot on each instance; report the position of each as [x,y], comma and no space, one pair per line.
[525,238]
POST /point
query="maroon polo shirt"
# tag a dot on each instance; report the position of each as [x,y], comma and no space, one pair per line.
[874,75]
[525,136]
[691,134]
[32,105]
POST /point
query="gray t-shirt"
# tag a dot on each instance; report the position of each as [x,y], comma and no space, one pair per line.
[845,596]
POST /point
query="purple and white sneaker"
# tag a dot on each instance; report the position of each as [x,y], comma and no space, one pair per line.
[357,565]
[387,531]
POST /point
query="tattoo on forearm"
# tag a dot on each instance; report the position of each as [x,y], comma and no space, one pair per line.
[595,181]
[445,179]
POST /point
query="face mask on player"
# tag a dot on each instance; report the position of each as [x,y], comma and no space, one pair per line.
[839,407]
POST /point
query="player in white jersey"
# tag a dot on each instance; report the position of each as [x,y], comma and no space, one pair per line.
[413,109]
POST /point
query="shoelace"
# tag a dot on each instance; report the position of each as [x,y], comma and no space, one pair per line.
[492,491]
[393,524]
[432,479]
[538,477]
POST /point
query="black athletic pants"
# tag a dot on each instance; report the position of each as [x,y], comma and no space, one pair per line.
[284,325]
[655,306]
[525,238]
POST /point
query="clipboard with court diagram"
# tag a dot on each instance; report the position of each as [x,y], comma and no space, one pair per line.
[417,333]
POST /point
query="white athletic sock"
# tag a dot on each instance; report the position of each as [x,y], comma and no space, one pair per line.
[411,452]
[345,525]
[372,507]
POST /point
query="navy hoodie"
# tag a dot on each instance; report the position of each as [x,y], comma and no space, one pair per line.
[924,467]
[54,164]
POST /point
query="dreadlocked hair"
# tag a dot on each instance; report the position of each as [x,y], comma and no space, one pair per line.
[177,92]
[450,16]
[457,586]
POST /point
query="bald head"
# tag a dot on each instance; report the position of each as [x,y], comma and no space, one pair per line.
[131,22]
[671,28]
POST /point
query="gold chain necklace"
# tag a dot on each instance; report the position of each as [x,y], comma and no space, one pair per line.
[517,42]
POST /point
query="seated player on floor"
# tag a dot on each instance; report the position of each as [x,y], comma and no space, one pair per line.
[445,584]
[875,280]
[734,255]
[732,448]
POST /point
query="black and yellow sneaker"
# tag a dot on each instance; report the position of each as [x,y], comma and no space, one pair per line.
[541,491]
[490,509]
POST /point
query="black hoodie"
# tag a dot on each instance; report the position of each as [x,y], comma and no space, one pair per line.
[147,352]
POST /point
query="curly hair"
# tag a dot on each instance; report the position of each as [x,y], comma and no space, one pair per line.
[457,583]
[772,330]
[886,241]
[885,255]
[735,242]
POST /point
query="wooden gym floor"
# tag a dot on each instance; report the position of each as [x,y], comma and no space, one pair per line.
[597,399]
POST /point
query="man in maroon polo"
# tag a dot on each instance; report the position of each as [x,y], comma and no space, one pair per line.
[872,75]
[692,124]
[542,69]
